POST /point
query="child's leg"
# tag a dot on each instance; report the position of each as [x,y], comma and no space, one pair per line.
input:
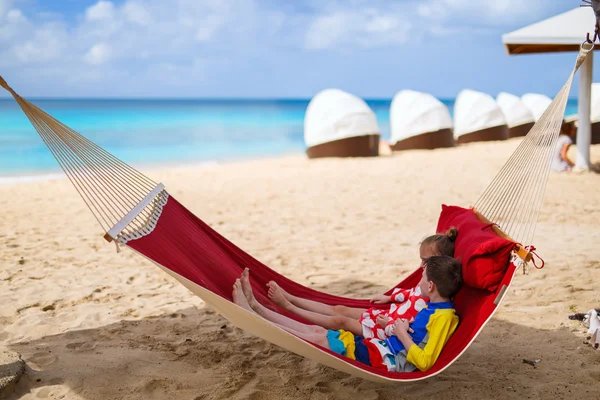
[315,306]
[313,334]
[317,338]
[242,294]
[333,322]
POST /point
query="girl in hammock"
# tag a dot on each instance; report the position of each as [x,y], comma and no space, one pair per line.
[373,322]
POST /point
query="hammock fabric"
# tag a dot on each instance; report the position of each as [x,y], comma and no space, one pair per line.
[189,248]
[135,211]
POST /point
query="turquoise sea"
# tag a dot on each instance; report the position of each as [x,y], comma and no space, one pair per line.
[155,132]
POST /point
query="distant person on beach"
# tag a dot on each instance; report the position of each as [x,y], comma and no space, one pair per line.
[375,322]
[560,160]
[414,345]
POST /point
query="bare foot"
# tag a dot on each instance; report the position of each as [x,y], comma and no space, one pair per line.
[247,288]
[238,296]
[285,294]
[276,294]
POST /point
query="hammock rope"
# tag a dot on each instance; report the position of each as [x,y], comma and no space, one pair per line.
[109,187]
[514,198]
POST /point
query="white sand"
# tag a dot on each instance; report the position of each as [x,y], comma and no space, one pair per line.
[94,324]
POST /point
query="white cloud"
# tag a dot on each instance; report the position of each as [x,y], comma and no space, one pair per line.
[136,13]
[12,25]
[157,29]
[141,38]
[98,54]
[148,38]
[382,24]
[99,11]
[328,30]
[5,5]
[15,16]
[479,12]
[209,27]
[363,27]
[46,44]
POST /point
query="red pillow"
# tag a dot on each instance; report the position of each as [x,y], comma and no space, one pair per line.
[484,255]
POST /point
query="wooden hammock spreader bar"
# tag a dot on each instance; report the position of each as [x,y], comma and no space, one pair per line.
[131,215]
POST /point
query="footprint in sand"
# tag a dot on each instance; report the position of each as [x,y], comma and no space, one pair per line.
[81,346]
[320,278]
[44,393]
[41,360]
[51,392]
[159,388]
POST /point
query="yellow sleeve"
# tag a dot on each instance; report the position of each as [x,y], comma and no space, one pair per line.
[440,327]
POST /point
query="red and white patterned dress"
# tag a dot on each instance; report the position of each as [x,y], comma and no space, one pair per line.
[406,304]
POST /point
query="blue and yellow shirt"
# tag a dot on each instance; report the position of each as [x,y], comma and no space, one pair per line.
[432,328]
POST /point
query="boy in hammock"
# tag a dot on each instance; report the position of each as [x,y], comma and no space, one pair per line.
[415,345]
[373,322]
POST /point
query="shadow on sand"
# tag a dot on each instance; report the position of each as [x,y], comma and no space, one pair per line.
[196,354]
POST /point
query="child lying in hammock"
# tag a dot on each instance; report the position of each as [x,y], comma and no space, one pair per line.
[414,345]
[374,322]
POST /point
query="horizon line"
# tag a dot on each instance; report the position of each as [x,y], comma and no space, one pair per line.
[213,98]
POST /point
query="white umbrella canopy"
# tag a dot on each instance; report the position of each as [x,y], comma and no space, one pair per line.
[514,110]
[563,32]
[333,114]
[413,113]
[475,111]
[536,103]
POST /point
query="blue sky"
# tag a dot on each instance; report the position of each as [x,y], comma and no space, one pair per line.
[272,48]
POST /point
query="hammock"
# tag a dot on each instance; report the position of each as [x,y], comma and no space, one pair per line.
[137,212]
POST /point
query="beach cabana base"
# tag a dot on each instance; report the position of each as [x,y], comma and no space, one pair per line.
[485,135]
[359,146]
[521,130]
[596,133]
[426,141]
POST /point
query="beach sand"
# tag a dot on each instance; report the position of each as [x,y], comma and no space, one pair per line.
[94,324]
